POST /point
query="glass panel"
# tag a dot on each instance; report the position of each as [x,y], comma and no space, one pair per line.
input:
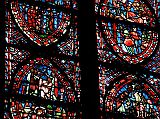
[42,72]
[128,55]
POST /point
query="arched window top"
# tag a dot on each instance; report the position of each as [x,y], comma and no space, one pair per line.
[129,27]
[43,25]
[40,78]
[129,96]
[132,43]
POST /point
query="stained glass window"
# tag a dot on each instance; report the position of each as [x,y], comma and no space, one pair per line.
[128,53]
[42,72]
[56,66]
